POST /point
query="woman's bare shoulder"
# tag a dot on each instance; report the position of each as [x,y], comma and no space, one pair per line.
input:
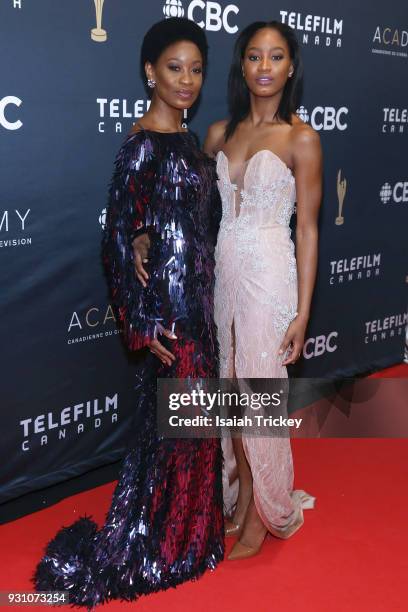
[303,134]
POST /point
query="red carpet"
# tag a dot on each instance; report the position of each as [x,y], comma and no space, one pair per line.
[398,371]
[349,555]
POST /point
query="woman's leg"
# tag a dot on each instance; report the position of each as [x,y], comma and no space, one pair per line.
[256,356]
[245,482]
[243,469]
[254,531]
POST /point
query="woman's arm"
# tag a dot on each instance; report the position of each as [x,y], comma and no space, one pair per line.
[215,138]
[307,156]
[307,164]
[130,205]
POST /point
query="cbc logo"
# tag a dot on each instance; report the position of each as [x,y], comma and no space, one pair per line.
[208,15]
[315,347]
[4,122]
[173,8]
[398,193]
[324,117]
[102,219]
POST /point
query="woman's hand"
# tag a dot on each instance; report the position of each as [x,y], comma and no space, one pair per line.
[294,340]
[141,246]
[159,350]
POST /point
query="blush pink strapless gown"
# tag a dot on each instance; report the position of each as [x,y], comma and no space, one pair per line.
[255,300]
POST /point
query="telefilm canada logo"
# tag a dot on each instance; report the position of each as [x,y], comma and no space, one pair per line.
[391,41]
[394,194]
[93,323]
[326,118]
[59,425]
[394,120]
[388,327]
[119,114]
[14,226]
[342,271]
[211,16]
[315,30]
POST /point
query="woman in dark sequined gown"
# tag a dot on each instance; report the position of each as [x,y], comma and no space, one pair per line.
[165,523]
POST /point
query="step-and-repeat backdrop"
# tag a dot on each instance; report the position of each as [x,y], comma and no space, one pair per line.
[69,93]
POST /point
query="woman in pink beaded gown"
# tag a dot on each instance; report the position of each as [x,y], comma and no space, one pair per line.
[267,159]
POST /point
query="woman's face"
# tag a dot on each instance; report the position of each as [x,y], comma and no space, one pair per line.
[178,73]
[267,63]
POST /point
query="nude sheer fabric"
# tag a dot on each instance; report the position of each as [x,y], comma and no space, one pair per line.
[255,300]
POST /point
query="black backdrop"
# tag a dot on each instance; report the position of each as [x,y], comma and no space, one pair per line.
[66,103]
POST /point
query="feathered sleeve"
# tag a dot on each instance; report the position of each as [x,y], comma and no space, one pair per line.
[131,201]
[216,206]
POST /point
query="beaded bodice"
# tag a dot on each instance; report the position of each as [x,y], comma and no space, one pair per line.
[262,195]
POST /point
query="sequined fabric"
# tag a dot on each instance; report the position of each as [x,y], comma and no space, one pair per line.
[165,522]
[255,301]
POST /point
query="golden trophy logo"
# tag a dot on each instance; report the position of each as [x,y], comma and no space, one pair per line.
[341,193]
[98,34]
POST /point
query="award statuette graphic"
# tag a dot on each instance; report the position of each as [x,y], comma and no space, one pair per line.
[341,193]
[98,34]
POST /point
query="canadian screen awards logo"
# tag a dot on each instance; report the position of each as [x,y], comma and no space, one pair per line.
[396,194]
[211,16]
[326,118]
[92,323]
[316,29]
[390,41]
[341,194]
[98,34]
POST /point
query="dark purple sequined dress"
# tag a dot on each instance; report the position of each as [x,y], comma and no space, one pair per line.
[165,523]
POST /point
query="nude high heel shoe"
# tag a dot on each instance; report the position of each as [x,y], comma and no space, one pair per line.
[231,528]
[240,551]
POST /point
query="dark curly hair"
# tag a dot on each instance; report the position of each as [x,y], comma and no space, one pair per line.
[167,32]
[238,93]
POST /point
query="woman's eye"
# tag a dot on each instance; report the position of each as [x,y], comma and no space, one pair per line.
[174,67]
[253,58]
[277,57]
[197,70]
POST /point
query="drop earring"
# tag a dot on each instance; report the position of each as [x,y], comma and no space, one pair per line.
[151,83]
